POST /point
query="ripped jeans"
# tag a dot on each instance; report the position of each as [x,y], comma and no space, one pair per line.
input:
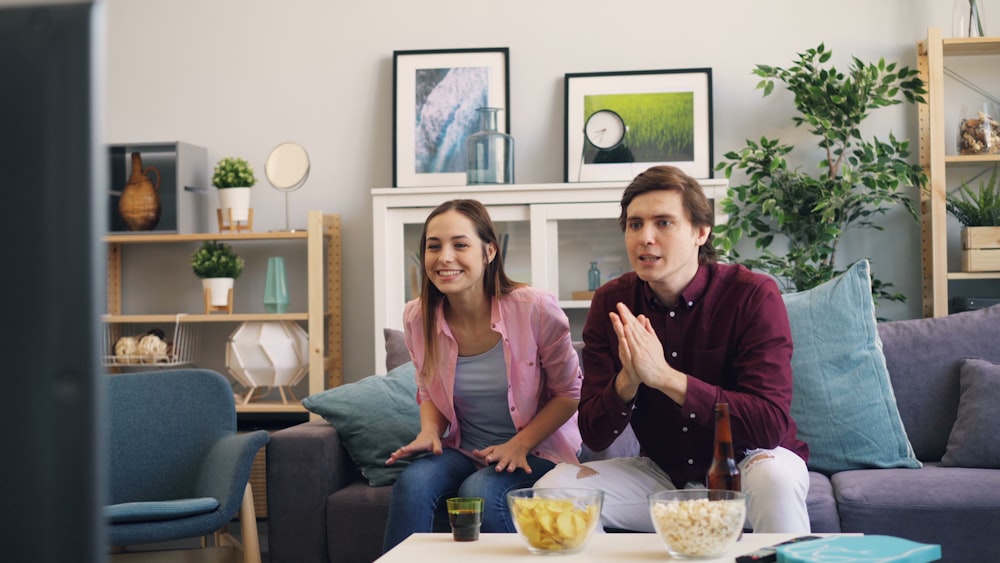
[776,483]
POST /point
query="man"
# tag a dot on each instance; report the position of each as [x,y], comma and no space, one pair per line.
[666,342]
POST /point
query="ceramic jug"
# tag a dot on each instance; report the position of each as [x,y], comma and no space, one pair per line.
[139,205]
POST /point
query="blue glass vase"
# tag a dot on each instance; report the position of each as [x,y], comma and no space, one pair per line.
[275,286]
[489,153]
[593,277]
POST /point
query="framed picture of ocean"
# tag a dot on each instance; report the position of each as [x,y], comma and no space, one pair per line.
[435,97]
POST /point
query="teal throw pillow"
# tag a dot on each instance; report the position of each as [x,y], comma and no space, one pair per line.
[842,400]
[374,417]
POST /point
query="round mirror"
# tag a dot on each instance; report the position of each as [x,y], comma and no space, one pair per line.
[287,168]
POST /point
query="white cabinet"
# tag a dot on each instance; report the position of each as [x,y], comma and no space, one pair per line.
[553,232]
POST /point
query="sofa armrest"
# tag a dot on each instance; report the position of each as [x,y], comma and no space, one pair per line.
[306,463]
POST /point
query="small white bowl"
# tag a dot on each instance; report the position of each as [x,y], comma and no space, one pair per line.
[698,523]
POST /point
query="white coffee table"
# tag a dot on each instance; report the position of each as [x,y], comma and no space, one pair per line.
[509,547]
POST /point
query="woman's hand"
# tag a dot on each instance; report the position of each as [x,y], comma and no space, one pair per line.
[424,442]
[508,456]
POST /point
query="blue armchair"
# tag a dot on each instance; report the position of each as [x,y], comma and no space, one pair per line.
[177,467]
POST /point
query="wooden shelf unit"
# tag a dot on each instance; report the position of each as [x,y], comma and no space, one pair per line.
[323,317]
[931,54]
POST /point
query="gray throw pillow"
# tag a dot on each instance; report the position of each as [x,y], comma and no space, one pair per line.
[396,353]
[374,417]
[842,399]
[973,440]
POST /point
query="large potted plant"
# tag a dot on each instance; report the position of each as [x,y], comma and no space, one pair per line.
[234,177]
[857,180]
[979,213]
[218,266]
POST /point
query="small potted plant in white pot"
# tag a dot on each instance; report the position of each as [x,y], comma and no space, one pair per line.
[218,266]
[979,213]
[234,177]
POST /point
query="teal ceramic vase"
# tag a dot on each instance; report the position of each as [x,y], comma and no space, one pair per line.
[276,286]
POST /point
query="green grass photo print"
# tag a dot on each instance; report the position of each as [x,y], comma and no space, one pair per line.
[667,116]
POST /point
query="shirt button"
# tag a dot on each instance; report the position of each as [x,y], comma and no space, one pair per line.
[691,415]
[493,325]
[624,413]
[531,363]
[684,429]
[673,314]
[614,431]
[690,303]
[673,354]
[511,409]
[690,462]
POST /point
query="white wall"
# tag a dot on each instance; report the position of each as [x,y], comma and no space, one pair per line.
[240,76]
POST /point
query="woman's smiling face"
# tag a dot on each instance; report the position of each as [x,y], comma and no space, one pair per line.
[454,255]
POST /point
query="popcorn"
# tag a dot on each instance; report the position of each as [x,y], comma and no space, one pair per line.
[698,527]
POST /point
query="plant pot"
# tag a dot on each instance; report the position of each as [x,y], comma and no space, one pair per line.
[237,199]
[218,289]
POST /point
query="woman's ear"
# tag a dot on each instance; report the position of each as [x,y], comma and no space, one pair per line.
[491,252]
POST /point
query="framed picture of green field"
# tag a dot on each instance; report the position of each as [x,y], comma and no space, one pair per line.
[621,123]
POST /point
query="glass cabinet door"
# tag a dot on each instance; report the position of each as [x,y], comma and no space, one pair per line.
[568,238]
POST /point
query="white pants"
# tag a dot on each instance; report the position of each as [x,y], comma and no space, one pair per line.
[776,483]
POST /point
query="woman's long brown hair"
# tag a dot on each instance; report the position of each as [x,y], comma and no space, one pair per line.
[495,280]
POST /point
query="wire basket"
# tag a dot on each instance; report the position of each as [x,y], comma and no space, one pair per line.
[126,344]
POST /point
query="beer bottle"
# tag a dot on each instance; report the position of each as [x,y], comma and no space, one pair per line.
[723,473]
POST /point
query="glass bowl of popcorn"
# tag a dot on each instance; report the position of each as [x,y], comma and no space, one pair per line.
[698,523]
[553,521]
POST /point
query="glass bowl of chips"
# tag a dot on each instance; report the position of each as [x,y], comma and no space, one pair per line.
[555,520]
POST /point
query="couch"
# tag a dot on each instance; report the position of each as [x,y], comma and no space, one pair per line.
[321,509]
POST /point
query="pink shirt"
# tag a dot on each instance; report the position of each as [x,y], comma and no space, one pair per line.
[541,363]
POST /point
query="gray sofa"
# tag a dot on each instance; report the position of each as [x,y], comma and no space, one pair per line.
[320,509]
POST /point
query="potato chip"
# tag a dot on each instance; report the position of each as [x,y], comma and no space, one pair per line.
[553,524]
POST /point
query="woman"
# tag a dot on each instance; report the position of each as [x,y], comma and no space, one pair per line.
[488,434]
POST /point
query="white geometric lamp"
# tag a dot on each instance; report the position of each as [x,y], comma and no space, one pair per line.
[265,354]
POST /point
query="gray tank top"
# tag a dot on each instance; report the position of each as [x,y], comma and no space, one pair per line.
[481,399]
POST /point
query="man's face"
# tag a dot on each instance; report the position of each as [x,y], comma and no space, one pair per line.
[661,242]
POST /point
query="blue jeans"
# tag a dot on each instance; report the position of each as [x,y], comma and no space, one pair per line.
[427,482]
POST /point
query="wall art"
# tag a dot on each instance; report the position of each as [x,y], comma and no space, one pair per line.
[618,124]
[435,97]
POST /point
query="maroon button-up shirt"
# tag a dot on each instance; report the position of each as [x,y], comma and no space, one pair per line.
[729,333]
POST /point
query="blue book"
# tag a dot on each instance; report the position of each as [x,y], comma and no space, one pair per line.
[870,549]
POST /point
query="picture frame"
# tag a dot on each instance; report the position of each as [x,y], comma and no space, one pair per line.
[665,117]
[435,97]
